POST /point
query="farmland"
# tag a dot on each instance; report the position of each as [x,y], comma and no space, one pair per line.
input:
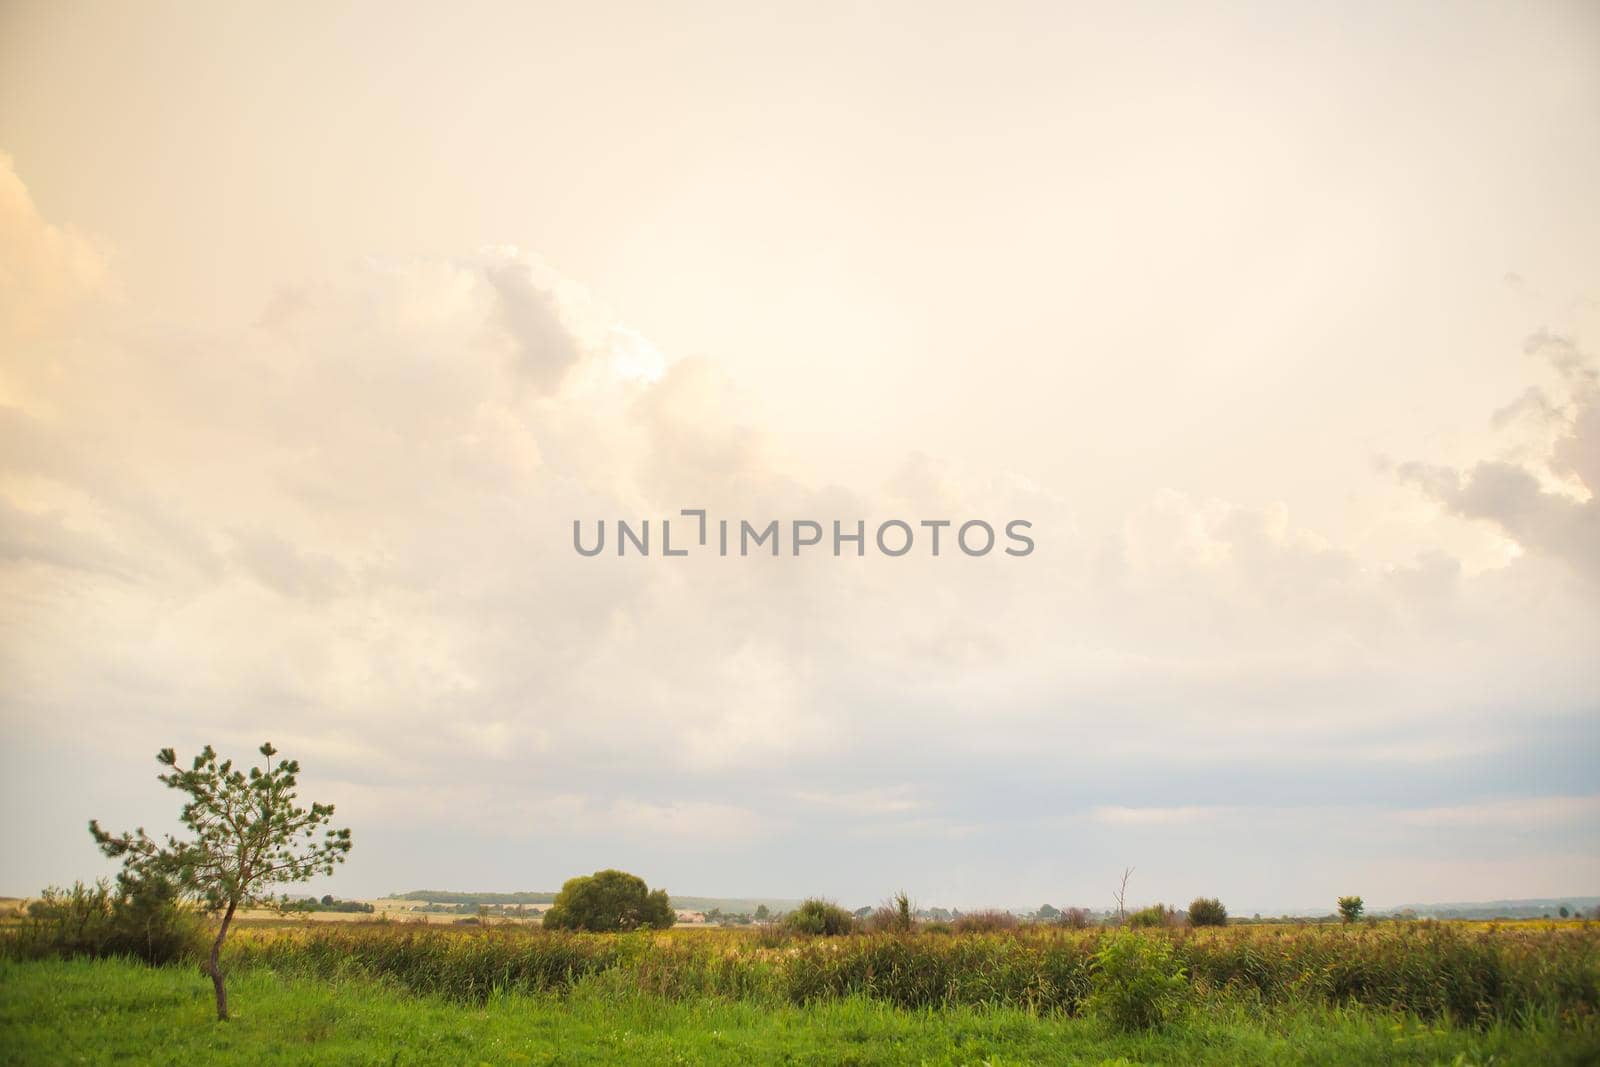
[382,991]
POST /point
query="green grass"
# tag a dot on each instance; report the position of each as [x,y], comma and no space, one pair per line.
[1435,971]
[111,1011]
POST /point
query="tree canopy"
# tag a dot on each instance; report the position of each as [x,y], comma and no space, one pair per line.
[248,834]
[1207,911]
[609,900]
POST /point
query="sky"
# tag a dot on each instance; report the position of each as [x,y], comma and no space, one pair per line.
[320,324]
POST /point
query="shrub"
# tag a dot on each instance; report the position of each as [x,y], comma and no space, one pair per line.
[816,916]
[895,917]
[986,922]
[1074,919]
[153,923]
[608,901]
[1207,911]
[1154,916]
[903,918]
[143,918]
[1135,982]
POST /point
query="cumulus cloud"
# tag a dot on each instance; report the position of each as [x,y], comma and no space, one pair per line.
[44,269]
[348,524]
[1549,505]
[545,345]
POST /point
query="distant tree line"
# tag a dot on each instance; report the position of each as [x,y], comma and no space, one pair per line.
[327,903]
[440,896]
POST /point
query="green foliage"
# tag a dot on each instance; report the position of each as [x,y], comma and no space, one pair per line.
[1136,982]
[815,916]
[609,900]
[247,834]
[1156,915]
[144,919]
[1207,911]
[329,904]
[903,920]
[894,917]
[1430,970]
[1350,908]
[114,1012]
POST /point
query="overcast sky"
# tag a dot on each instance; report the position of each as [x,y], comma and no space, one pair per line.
[320,324]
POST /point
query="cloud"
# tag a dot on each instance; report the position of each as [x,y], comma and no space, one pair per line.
[46,538]
[44,269]
[883,800]
[1118,816]
[530,312]
[1519,812]
[1549,506]
[348,523]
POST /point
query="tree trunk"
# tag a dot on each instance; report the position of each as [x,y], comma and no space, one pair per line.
[214,965]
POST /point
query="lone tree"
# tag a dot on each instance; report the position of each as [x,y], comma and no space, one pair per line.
[609,900]
[248,835]
[1350,908]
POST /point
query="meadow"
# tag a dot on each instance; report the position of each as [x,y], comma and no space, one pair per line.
[391,992]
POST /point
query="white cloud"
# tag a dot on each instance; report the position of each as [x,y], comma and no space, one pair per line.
[1119,816]
[1525,813]
[348,525]
[44,270]
[1546,501]
[883,800]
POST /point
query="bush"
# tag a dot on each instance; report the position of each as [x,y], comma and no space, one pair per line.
[1155,915]
[1135,982]
[1207,911]
[143,918]
[986,922]
[816,916]
[1074,919]
[895,917]
[609,901]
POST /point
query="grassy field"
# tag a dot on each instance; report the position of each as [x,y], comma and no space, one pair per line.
[114,1011]
[1432,970]
[382,992]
